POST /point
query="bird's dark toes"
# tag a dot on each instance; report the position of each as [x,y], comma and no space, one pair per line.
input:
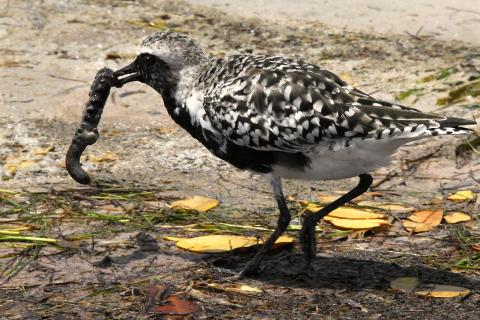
[251,268]
[309,246]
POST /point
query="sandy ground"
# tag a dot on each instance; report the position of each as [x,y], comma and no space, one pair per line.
[441,19]
[112,245]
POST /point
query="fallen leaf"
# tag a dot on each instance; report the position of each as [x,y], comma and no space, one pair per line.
[156,294]
[422,221]
[11,169]
[249,290]
[198,203]
[165,130]
[354,214]
[203,297]
[346,212]
[327,198]
[463,195]
[356,223]
[175,304]
[239,288]
[406,284]
[43,151]
[392,207]
[24,164]
[475,247]
[456,217]
[217,243]
[444,291]
[104,157]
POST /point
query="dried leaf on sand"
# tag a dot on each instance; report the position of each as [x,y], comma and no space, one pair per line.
[444,291]
[406,284]
[463,195]
[217,243]
[456,217]
[422,221]
[198,203]
[353,218]
[104,157]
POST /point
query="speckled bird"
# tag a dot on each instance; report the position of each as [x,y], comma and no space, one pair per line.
[281,118]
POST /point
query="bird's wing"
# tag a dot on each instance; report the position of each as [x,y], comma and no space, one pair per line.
[294,106]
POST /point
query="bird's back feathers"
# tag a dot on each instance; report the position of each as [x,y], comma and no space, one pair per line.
[274,103]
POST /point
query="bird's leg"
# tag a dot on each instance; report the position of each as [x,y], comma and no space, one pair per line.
[307,234]
[282,224]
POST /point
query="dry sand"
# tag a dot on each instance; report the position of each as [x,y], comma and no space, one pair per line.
[442,19]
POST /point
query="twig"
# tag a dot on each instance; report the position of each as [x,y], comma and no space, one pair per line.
[65,78]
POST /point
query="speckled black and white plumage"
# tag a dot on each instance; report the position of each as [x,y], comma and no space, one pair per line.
[280,117]
[275,115]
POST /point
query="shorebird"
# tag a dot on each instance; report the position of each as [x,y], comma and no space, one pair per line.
[281,118]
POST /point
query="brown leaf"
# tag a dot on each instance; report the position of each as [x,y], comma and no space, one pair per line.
[422,221]
[175,304]
[156,294]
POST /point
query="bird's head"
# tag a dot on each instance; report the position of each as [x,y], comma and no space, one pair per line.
[161,60]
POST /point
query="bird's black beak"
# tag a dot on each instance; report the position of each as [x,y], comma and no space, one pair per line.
[127,74]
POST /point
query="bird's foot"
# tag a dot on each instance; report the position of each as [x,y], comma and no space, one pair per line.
[308,243]
[251,268]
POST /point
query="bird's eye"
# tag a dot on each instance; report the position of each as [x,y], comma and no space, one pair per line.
[148,59]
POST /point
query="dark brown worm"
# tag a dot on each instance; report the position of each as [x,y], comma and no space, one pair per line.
[87,133]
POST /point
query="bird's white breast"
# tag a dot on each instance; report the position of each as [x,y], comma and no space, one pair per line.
[362,157]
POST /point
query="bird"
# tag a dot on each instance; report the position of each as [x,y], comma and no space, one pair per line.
[281,118]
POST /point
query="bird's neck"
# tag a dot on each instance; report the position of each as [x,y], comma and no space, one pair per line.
[181,97]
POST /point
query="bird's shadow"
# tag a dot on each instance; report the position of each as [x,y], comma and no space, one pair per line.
[343,272]
[285,268]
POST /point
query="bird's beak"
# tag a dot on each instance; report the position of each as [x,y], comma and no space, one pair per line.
[127,74]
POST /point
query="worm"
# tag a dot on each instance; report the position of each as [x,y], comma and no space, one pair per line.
[87,132]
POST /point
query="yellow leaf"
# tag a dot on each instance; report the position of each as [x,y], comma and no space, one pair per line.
[23,164]
[240,288]
[168,238]
[11,169]
[217,243]
[346,212]
[104,157]
[248,289]
[393,207]
[456,217]
[198,203]
[407,284]
[354,213]
[313,207]
[444,291]
[356,223]
[43,151]
[463,195]
[422,221]
[326,198]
